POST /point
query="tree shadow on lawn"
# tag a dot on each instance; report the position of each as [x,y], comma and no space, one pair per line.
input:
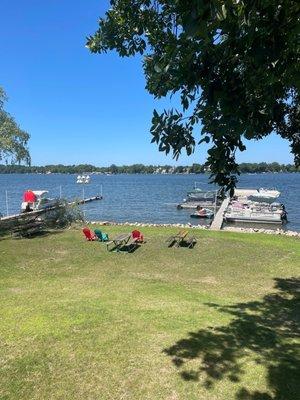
[269,329]
[41,233]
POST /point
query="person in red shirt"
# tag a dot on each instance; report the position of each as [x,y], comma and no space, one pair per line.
[29,197]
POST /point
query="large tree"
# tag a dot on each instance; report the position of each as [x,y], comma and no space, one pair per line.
[234,64]
[13,140]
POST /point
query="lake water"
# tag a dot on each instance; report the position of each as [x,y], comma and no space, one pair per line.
[141,198]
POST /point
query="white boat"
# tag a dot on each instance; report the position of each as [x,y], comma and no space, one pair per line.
[83,179]
[264,215]
[36,200]
[264,195]
[201,195]
[203,213]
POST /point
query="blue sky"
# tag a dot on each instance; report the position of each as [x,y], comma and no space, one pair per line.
[79,107]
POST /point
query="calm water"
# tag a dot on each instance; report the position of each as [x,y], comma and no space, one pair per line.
[142,198]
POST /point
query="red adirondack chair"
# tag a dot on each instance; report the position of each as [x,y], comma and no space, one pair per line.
[137,236]
[89,235]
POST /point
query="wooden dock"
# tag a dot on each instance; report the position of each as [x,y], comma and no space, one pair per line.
[217,223]
[88,200]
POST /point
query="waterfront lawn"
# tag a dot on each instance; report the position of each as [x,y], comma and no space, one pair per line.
[219,321]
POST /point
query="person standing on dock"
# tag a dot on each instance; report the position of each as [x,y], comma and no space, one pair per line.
[29,198]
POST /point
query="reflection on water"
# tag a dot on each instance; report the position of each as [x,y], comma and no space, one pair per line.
[142,198]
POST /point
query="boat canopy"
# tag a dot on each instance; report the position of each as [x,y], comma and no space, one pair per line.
[40,193]
[244,192]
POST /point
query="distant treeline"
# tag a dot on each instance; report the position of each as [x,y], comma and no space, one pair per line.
[141,169]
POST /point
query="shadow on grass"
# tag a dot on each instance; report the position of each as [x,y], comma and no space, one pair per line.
[129,248]
[266,329]
[126,248]
[183,244]
[188,245]
[41,233]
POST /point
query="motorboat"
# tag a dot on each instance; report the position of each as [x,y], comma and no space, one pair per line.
[265,195]
[201,195]
[203,213]
[259,195]
[83,179]
[34,200]
[274,214]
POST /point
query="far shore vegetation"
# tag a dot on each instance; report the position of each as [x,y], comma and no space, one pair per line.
[142,169]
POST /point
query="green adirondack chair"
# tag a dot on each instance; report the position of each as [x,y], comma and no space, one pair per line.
[103,237]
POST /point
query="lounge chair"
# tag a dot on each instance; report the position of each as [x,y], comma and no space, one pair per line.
[191,242]
[177,239]
[103,237]
[89,235]
[182,239]
[137,236]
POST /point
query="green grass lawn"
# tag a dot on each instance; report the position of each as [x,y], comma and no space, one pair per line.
[220,321]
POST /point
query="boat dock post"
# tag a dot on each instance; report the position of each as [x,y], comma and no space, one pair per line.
[217,222]
[6,200]
[216,199]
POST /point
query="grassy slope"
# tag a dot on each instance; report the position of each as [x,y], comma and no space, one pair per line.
[80,322]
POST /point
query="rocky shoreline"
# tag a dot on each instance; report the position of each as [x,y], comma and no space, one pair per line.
[260,230]
[201,227]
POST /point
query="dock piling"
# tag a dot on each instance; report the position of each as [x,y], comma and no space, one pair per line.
[6,200]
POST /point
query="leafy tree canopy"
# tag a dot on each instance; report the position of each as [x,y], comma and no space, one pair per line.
[234,64]
[13,140]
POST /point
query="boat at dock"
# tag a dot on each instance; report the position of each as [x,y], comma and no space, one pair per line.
[256,206]
[252,216]
[201,195]
[251,206]
[192,205]
[36,204]
[255,212]
[259,195]
[34,200]
[203,213]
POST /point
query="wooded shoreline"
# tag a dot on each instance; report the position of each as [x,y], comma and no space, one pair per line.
[250,168]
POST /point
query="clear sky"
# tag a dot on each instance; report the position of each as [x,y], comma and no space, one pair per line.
[79,107]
